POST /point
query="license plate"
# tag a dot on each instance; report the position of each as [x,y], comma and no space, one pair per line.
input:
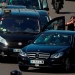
[36,65]
[16,50]
[36,61]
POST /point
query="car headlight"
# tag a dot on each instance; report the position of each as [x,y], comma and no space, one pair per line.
[2,40]
[22,53]
[57,55]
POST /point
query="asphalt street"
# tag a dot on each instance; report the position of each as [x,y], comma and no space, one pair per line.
[9,65]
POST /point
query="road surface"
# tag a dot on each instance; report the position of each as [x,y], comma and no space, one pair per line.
[7,67]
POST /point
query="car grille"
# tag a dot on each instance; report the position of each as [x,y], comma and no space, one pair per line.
[16,45]
[38,55]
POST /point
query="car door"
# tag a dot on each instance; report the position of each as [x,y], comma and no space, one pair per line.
[57,23]
[72,51]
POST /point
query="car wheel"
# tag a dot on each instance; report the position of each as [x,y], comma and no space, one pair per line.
[23,68]
[67,65]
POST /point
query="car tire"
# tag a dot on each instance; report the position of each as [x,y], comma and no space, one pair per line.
[67,65]
[23,68]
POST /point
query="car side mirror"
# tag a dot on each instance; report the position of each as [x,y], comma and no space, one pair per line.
[47,9]
[15,72]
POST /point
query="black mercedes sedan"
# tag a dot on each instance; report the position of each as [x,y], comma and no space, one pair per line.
[50,49]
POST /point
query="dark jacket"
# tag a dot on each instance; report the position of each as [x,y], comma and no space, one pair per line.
[71,27]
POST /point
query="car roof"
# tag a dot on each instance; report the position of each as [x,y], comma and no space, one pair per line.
[15,6]
[61,31]
[21,12]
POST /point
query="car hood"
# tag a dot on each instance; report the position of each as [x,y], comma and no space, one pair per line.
[15,37]
[44,48]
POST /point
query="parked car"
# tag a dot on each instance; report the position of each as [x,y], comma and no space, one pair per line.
[17,27]
[29,4]
[51,48]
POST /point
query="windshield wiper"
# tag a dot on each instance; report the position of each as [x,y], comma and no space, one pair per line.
[20,32]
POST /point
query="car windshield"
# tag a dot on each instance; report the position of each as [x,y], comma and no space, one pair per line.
[54,39]
[2,1]
[19,24]
[44,20]
[28,3]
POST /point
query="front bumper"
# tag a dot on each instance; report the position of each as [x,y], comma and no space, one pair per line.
[5,51]
[49,63]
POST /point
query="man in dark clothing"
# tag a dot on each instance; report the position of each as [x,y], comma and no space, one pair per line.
[70,24]
[53,2]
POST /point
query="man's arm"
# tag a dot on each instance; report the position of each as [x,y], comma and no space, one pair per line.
[68,23]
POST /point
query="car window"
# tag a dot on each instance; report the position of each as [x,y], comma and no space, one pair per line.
[44,20]
[17,24]
[56,25]
[45,4]
[28,3]
[54,39]
[2,1]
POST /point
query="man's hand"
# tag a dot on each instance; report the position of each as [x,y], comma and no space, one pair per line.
[71,22]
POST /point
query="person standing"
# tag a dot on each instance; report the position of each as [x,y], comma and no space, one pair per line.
[53,2]
[71,23]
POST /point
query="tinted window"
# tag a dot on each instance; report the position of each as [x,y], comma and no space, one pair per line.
[54,39]
[18,24]
[28,3]
[2,1]
[56,25]
[44,20]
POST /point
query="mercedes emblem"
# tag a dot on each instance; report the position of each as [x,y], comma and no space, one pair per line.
[20,43]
